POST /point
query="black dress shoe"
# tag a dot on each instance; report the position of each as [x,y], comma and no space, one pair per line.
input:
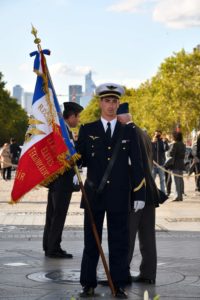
[121,293]
[178,199]
[65,253]
[59,254]
[87,292]
[139,278]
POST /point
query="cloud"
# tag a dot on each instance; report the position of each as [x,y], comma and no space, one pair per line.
[63,69]
[178,13]
[130,6]
[175,14]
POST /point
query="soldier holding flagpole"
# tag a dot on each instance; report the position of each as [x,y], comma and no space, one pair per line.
[105,147]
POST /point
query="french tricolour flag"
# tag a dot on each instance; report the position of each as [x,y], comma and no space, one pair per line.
[47,149]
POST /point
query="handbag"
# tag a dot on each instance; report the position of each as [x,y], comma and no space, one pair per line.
[169,163]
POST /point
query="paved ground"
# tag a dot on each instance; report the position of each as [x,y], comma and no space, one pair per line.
[25,274]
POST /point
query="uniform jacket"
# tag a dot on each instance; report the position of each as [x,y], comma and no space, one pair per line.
[153,195]
[96,153]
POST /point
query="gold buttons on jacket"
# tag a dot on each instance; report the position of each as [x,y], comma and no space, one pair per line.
[108,181]
[109,148]
[108,158]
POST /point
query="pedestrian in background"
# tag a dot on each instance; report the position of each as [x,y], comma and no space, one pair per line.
[6,164]
[59,195]
[168,177]
[15,151]
[196,161]
[159,147]
[177,153]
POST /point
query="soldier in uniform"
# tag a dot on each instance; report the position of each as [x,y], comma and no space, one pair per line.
[143,221]
[59,195]
[99,143]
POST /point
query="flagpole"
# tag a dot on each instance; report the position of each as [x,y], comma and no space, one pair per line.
[88,209]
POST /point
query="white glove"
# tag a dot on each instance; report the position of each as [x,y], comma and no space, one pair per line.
[75,180]
[138,204]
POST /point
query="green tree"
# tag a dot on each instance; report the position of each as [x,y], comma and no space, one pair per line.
[91,112]
[13,119]
[169,98]
[178,91]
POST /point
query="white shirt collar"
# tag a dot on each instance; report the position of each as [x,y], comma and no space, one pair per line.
[112,124]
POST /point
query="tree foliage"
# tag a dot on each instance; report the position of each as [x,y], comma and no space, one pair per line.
[13,119]
[168,99]
[91,112]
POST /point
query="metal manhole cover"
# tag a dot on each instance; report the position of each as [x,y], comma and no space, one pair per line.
[70,276]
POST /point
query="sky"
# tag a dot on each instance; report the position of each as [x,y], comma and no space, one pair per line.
[121,41]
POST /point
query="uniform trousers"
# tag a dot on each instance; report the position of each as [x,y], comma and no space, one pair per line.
[118,239]
[57,207]
[143,223]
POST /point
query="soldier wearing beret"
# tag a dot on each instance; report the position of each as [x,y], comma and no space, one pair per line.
[108,189]
[59,195]
[143,221]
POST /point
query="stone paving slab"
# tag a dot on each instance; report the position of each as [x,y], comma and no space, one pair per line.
[26,274]
[31,209]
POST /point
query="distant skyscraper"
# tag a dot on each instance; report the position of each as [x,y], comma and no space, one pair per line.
[89,89]
[18,93]
[27,102]
[75,93]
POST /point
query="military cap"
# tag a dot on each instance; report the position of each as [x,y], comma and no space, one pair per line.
[72,107]
[123,108]
[109,89]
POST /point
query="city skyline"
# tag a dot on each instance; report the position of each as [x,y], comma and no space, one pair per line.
[122,41]
[75,94]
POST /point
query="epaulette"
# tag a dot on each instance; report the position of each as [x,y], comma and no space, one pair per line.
[137,188]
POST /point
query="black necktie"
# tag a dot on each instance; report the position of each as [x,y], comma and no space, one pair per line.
[108,132]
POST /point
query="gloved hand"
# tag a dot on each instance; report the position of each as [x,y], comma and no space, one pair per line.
[75,180]
[138,204]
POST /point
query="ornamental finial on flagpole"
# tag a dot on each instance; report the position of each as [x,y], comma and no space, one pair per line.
[34,32]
